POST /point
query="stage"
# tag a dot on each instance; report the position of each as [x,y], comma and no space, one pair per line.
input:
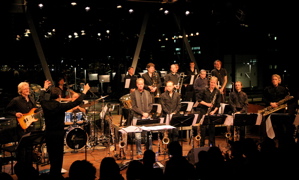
[96,152]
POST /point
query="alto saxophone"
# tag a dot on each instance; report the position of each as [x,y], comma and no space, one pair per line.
[122,145]
[165,139]
[198,136]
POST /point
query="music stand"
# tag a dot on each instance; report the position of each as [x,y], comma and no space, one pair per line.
[211,121]
[181,121]
[243,120]
[25,147]
[283,127]
[103,79]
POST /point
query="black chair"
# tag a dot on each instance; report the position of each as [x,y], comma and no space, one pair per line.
[8,144]
[23,150]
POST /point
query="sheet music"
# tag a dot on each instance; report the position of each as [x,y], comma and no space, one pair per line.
[127,83]
[168,118]
[131,129]
[156,128]
[196,104]
[195,119]
[229,120]
[269,128]
[191,79]
[259,119]
[202,119]
[189,106]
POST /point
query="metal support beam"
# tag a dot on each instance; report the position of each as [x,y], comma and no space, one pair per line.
[38,45]
[140,41]
[185,39]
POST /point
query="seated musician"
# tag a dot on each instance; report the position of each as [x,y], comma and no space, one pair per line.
[238,102]
[77,109]
[171,105]
[141,106]
[209,103]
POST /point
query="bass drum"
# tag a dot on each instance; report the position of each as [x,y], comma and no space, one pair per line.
[76,137]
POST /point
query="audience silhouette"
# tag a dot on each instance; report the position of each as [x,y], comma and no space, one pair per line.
[135,170]
[178,167]
[151,172]
[82,169]
[109,169]
[246,159]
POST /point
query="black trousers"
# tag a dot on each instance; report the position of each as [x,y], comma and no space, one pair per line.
[55,148]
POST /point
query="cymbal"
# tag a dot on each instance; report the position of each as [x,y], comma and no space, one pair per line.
[93,112]
[102,97]
[88,104]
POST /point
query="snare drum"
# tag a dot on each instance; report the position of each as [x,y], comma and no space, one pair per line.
[75,137]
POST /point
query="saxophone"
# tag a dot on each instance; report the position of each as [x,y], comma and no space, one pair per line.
[155,84]
[198,136]
[165,139]
[281,105]
[122,145]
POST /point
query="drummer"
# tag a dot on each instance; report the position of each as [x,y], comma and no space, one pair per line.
[79,111]
[77,108]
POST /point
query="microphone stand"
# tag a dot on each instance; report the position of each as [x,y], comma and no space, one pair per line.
[94,138]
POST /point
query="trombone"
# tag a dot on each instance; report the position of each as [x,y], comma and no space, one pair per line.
[180,82]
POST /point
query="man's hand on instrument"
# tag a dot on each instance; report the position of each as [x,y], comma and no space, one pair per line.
[18,114]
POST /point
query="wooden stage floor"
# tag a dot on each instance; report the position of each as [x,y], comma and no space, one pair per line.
[95,153]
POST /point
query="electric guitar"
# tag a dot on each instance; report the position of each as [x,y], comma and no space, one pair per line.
[28,118]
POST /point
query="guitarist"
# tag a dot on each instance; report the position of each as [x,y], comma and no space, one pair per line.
[21,105]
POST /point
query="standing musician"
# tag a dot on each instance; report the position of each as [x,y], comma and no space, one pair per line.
[272,94]
[173,76]
[238,101]
[192,71]
[208,107]
[171,105]
[141,106]
[201,82]
[221,74]
[54,113]
[132,78]
[275,92]
[152,81]
[22,105]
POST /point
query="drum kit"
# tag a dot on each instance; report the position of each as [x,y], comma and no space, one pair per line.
[82,130]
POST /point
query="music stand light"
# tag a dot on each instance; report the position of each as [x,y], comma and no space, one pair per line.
[245,119]
[104,79]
